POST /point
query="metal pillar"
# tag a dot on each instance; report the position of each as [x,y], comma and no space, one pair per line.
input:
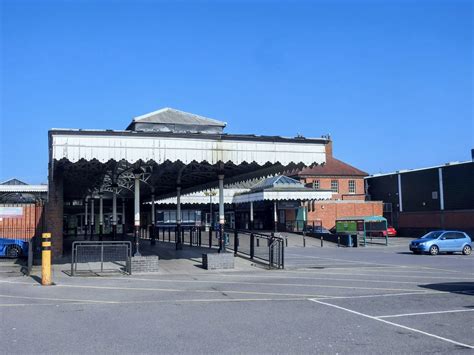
[123,218]
[137,215]
[210,210]
[275,215]
[153,241]
[179,244]
[101,215]
[221,213]
[86,222]
[251,215]
[92,218]
[114,213]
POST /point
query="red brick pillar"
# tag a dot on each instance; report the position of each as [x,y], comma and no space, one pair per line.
[54,213]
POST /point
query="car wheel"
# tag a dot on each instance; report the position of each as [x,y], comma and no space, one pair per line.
[13,251]
[434,250]
[466,250]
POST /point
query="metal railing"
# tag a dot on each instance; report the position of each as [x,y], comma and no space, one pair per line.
[190,235]
[266,248]
[101,256]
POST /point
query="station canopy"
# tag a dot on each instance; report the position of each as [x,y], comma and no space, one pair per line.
[281,188]
[171,148]
[270,189]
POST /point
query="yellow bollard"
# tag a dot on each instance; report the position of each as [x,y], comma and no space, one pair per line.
[46,259]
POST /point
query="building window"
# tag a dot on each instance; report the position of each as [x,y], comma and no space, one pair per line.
[352,186]
[316,184]
[334,186]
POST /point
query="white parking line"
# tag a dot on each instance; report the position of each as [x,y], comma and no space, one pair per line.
[68,301]
[423,313]
[242,292]
[394,324]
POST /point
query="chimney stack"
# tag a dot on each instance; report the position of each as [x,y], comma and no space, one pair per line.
[329,146]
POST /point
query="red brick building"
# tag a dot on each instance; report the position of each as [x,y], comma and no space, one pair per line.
[347,185]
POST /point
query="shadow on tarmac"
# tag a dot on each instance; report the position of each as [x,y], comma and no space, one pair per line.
[464,288]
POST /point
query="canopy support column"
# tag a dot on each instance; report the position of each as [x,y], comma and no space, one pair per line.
[137,215]
[101,215]
[251,215]
[275,215]
[123,218]
[152,229]
[86,222]
[114,213]
[221,213]
[179,244]
[92,218]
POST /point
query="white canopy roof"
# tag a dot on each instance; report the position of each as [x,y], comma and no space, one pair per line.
[23,188]
[93,160]
[133,146]
[202,197]
[282,196]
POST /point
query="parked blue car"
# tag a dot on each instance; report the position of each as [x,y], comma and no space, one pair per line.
[442,242]
[13,248]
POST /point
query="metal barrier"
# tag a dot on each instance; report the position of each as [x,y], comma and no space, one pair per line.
[190,235]
[266,248]
[95,254]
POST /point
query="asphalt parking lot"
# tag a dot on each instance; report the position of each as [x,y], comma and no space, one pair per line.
[328,300]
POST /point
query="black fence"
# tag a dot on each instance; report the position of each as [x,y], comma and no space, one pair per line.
[265,248]
[101,256]
[299,226]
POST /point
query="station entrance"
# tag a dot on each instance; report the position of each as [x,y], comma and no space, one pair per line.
[103,184]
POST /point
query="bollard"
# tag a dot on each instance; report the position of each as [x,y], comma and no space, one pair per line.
[304,242]
[321,241]
[338,240]
[46,259]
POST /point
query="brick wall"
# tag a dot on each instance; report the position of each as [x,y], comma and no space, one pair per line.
[328,211]
[54,214]
[343,194]
[22,227]
[141,264]
[218,261]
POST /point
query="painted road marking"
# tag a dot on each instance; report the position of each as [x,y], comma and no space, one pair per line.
[289,255]
[67,301]
[261,283]
[423,313]
[243,292]
[394,324]
[280,274]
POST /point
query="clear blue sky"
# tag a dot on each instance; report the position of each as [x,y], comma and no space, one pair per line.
[391,81]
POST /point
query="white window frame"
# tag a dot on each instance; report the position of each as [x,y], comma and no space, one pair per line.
[353,189]
[316,184]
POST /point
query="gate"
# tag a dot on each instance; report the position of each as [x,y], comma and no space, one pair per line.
[93,257]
